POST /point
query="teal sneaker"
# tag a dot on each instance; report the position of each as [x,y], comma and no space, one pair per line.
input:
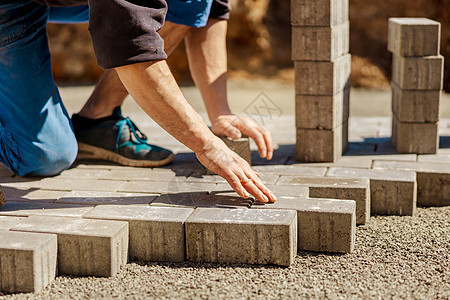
[117,139]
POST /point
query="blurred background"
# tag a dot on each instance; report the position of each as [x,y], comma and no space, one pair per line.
[259,42]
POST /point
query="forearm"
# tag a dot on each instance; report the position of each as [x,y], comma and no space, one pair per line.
[153,87]
[207,55]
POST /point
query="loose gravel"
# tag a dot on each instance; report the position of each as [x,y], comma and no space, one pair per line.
[395,257]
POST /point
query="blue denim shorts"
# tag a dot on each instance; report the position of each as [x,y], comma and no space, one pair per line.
[193,13]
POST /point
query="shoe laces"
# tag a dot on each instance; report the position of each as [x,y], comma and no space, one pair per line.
[140,137]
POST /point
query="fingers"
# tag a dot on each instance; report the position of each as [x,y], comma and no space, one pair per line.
[253,132]
[251,182]
[268,139]
[227,129]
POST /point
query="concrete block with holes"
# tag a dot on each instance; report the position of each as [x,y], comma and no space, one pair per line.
[392,192]
[85,247]
[320,43]
[27,260]
[323,224]
[322,77]
[433,180]
[414,36]
[337,188]
[242,236]
[319,12]
[155,233]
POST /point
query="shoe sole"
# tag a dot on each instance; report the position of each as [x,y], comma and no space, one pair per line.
[92,152]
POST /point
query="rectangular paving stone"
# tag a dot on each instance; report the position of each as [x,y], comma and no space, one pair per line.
[33,195]
[7,222]
[279,191]
[195,200]
[153,187]
[77,173]
[344,161]
[155,233]
[79,184]
[418,73]
[321,145]
[242,236]
[27,260]
[144,174]
[323,224]
[414,36]
[319,12]
[433,158]
[416,138]
[85,247]
[25,209]
[322,78]
[433,180]
[198,177]
[337,188]
[392,192]
[291,170]
[415,106]
[96,198]
[322,112]
[320,43]
[240,146]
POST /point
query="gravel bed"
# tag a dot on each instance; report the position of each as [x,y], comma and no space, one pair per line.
[395,257]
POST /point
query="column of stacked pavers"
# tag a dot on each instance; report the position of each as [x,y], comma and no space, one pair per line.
[417,76]
[320,46]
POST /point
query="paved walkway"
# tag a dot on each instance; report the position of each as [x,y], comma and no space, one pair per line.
[395,256]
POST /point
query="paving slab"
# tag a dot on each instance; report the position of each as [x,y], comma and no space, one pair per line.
[96,198]
[436,158]
[167,187]
[322,78]
[155,233]
[322,112]
[241,146]
[320,43]
[27,260]
[78,184]
[25,209]
[319,13]
[321,145]
[343,161]
[419,138]
[392,192]
[414,36]
[144,174]
[291,170]
[195,200]
[242,236]
[84,173]
[415,106]
[7,222]
[433,180]
[198,177]
[33,195]
[337,188]
[323,224]
[85,247]
[418,73]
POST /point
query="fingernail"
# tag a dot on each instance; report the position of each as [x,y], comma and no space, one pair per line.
[263,154]
[246,194]
[274,198]
[265,198]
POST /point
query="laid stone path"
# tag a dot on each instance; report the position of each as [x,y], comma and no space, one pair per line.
[101,214]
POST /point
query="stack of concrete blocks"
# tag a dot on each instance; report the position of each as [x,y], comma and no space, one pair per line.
[320,46]
[417,78]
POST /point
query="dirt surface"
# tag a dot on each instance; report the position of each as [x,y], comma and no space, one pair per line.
[395,257]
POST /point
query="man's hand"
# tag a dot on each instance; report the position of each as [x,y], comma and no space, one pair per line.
[220,159]
[234,127]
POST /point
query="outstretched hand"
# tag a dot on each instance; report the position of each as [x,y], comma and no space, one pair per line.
[218,158]
[234,127]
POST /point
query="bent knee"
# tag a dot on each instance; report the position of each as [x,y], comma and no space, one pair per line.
[48,160]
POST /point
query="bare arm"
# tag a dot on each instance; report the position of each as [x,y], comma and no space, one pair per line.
[153,87]
[207,54]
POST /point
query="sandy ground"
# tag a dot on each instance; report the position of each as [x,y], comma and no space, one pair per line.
[395,257]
